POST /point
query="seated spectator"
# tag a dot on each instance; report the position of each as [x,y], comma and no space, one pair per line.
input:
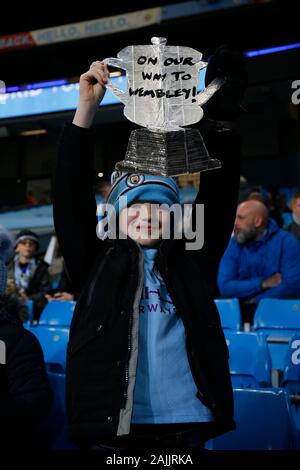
[294,227]
[260,261]
[276,205]
[25,394]
[30,275]
[256,196]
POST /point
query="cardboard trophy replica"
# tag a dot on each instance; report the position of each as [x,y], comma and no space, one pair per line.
[162,97]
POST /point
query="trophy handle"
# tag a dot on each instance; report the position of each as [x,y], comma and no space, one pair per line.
[209,91]
[118,63]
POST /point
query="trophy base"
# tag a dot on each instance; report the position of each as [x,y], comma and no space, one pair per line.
[168,153]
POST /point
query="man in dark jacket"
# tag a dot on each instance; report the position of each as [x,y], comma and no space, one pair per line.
[103,367]
[25,394]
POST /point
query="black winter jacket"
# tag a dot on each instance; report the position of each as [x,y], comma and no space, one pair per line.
[25,394]
[102,350]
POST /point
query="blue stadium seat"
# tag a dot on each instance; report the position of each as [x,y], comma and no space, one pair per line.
[279,319]
[54,345]
[230,314]
[58,313]
[291,378]
[249,360]
[52,431]
[264,422]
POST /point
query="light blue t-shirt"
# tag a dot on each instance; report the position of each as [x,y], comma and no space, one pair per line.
[165,391]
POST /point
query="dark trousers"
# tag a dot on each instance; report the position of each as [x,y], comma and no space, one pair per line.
[154,437]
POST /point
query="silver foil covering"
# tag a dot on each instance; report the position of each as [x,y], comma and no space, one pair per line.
[166,153]
[162,96]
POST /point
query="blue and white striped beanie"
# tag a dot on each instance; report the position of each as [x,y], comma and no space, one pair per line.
[6,251]
[130,187]
[138,187]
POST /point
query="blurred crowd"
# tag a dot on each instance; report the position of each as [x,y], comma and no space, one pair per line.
[261,260]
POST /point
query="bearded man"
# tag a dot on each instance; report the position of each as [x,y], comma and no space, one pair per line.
[261,260]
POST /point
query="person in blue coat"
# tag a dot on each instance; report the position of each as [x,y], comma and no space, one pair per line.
[261,260]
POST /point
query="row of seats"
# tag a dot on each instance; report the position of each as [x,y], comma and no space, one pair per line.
[249,357]
[271,314]
[256,403]
[277,319]
[270,338]
[263,417]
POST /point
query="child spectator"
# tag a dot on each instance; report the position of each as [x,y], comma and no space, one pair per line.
[137,379]
[30,275]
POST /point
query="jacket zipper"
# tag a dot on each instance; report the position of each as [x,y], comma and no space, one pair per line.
[129,347]
[129,343]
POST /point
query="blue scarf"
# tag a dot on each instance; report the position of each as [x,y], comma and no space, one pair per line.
[23,276]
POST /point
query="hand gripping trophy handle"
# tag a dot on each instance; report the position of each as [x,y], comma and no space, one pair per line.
[117,63]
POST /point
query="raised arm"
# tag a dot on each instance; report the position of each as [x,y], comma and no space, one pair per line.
[218,193]
[219,188]
[74,203]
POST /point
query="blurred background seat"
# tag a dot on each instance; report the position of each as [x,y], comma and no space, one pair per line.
[249,360]
[264,422]
[230,314]
[54,345]
[291,378]
[58,313]
[280,320]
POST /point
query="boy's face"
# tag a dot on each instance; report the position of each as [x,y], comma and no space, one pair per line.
[26,248]
[144,222]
